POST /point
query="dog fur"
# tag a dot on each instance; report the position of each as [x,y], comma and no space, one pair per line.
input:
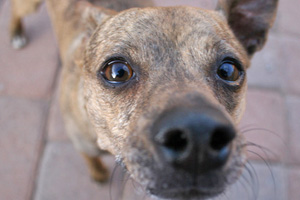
[174,52]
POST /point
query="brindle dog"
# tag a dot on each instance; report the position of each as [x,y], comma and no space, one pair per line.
[162,89]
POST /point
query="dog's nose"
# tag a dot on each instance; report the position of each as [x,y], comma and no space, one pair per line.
[194,140]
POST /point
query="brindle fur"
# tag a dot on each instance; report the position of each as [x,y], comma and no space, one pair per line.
[175,52]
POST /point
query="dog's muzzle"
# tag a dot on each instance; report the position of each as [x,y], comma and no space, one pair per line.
[194,141]
[193,145]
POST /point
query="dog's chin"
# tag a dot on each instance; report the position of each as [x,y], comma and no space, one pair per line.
[192,193]
[187,187]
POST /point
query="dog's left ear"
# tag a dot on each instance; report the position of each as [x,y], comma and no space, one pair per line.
[250,20]
[91,15]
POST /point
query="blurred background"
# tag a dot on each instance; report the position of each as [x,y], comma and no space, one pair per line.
[37,160]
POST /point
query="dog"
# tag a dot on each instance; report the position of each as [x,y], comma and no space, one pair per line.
[160,88]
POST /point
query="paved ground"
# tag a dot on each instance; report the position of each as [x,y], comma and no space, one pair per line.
[38,162]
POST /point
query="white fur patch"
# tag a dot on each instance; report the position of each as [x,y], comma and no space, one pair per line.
[18,41]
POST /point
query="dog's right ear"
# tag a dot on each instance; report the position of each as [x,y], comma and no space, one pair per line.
[250,20]
[91,15]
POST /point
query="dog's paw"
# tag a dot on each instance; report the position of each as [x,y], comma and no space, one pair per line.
[100,176]
[18,41]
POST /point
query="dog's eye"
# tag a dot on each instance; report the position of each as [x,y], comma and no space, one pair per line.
[117,71]
[228,71]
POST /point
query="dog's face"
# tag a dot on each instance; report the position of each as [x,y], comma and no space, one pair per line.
[165,88]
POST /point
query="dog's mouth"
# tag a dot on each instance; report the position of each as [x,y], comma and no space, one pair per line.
[189,186]
[165,181]
[188,193]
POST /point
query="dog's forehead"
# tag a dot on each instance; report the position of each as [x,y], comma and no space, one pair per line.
[176,24]
[151,33]
[170,20]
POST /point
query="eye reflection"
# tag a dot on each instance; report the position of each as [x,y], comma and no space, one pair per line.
[117,71]
[228,71]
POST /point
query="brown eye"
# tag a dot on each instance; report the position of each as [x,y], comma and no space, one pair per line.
[117,71]
[228,71]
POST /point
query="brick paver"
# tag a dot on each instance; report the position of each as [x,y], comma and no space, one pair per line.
[1,2]
[264,124]
[294,183]
[30,72]
[267,66]
[261,182]
[288,16]
[64,176]
[22,125]
[39,162]
[293,104]
[291,66]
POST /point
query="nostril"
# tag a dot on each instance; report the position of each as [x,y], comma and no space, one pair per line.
[221,137]
[175,140]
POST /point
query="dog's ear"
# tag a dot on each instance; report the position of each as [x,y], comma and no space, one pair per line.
[250,20]
[91,15]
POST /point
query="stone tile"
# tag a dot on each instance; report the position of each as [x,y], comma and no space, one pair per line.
[21,136]
[288,15]
[28,72]
[277,66]
[56,129]
[260,183]
[291,67]
[207,4]
[267,65]
[294,183]
[63,175]
[1,3]
[264,124]
[293,105]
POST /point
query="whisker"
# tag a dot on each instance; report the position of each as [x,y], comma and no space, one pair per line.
[265,130]
[254,179]
[125,181]
[222,196]
[226,196]
[265,150]
[283,140]
[133,183]
[224,192]
[247,127]
[250,183]
[269,167]
[241,183]
[111,180]
[144,196]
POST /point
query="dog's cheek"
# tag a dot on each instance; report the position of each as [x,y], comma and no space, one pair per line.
[239,100]
[240,109]
[233,101]
[111,117]
[101,128]
[235,165]
[98,114]
[139,160]
[138,154]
